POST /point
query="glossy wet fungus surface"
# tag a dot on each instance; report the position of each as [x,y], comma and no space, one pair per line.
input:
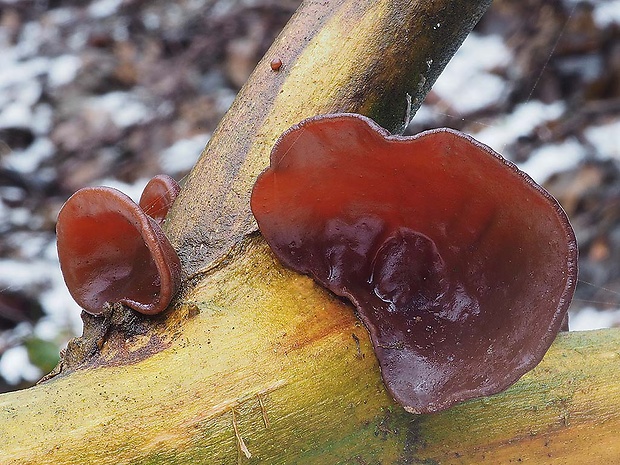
[459,265]
[158,196]
[111,251]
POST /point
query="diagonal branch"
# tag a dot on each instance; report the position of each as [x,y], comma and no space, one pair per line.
[377,58]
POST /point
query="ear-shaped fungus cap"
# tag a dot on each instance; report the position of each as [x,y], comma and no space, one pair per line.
[460,266]
[158,196]
[111,251]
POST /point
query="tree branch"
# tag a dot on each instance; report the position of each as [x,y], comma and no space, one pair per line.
[254,363]
[278,350]
[365,56]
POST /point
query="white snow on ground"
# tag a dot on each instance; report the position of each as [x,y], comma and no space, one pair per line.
[15,366]
[520,122]
[28,160]
[16,114]
[63,70]
[182,155]
[14,273]
[467,83]
[37,272]
[607,12]
[56,299]
[552,159]
[133,191]
[123,108]
[605,139]
[425,115]
[15,73]
[62,314]
[104,8]
[589,318]
[44,275]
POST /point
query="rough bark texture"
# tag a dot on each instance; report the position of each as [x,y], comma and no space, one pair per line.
[256,364]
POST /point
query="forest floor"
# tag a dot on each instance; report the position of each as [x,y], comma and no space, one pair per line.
[112,92]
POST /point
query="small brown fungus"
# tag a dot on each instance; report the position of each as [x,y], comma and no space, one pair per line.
[158,196]
[460,266]
[276,64]
[110,251]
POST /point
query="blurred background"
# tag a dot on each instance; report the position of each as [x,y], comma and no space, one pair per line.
[112,92]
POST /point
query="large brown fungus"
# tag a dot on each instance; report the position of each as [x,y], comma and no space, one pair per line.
[460,266]
[110,251]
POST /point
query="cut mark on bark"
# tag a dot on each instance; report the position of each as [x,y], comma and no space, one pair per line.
[222,408]
[358,346]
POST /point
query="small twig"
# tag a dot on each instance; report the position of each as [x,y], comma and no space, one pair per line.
[240,441]
[359,354]
[263,410]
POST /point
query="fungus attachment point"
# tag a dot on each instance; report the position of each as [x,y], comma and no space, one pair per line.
[110,251]
[158,196]
[460,266]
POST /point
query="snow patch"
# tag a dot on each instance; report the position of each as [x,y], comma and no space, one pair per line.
[589,318]
[133,191]
[520,122]
[607,13]
[183,154]
[123,108]
[61,310]
[44,277]
[28,160]
[424,116]
[552,159]
[42,117]
[19,274]
[104,8]
[15,73]
[15,115]
[63,70]
[468,83]
[605,139]
[15,366]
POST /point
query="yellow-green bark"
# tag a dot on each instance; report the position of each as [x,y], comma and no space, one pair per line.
[265,335]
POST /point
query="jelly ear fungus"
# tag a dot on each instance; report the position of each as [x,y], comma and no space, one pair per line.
[158,196]
[111,251]
[460,266]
